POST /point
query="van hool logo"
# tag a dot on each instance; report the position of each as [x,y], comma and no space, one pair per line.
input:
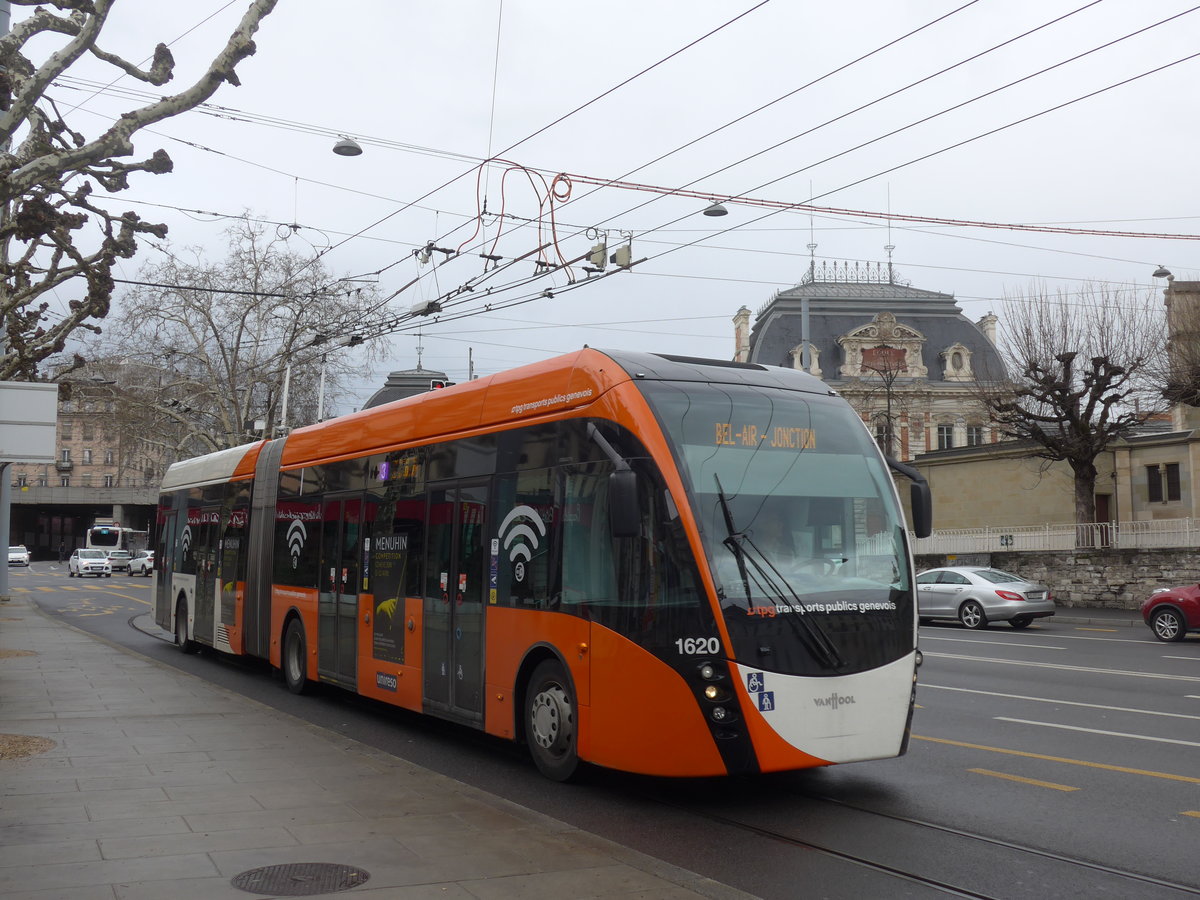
[520,539]
[296,536]
[834,700]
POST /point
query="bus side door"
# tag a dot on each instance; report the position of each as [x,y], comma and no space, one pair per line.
[455,577]
[337,599]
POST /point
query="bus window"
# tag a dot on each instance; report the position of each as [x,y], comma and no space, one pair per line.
[525,508]
[297,542]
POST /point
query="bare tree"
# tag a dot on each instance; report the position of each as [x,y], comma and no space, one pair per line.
[207,349]
[1081,365]
[883,400]
[49,172]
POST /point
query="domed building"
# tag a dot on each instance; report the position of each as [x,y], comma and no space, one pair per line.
[907,359]
[407,383]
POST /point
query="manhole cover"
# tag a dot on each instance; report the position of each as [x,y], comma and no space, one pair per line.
[300,879]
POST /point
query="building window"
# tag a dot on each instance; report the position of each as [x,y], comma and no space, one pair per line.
[87,481]
[87,457]
[945,437]
[88,431]
[21,480]
[974,435]
[41,481]
[1162,483]
[64,481]
[66,454]
[108,481]
[108,457]
[65,431]
[882,436]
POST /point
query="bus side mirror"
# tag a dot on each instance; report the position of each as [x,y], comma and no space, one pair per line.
[920,496]
[922,508]
[624,519]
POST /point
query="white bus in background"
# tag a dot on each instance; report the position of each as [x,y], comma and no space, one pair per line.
[113,536]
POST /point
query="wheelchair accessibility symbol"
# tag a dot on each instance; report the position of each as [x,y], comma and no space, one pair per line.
[755,682]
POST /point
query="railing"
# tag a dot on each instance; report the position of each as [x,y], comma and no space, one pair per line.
[1161,533]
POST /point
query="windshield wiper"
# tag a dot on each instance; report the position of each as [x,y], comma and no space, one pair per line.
[733,539]
[818,641]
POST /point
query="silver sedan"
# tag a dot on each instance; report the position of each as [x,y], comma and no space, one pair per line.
[977,595]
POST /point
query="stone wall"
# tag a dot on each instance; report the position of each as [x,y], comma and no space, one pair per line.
[1113,579]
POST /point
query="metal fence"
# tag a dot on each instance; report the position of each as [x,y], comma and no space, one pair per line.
[1162,533]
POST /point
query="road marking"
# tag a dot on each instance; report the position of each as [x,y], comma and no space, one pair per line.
[1033,781]
[1127,709]
[1040,665]
[994,643]
[1188,658]
[1060,759]
[1136,737]
[1192,813]
[1082,628]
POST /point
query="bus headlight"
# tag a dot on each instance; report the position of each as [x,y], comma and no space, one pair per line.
[708,672]
[719,714]
[712,692]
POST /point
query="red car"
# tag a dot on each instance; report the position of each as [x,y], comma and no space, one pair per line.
[1172,612]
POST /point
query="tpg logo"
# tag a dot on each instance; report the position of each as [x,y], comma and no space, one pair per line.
[834,700]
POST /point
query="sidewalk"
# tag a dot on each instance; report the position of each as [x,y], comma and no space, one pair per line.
[1086,615]
[161,785]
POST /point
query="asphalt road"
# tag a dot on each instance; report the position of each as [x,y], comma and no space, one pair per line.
[1059,761]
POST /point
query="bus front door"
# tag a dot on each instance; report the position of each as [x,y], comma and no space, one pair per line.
[337,600]
[455,575]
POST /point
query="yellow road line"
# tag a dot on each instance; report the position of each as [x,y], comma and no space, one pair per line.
[1108,630]
[1033,781]
[1060,759]
[1192,813]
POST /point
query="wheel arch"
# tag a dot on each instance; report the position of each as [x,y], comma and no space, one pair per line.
[535,656]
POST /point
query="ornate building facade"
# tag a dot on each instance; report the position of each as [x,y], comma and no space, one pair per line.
[907,359]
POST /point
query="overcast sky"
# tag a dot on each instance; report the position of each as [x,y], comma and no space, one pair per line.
[429,89]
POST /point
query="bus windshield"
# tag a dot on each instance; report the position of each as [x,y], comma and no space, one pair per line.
[800,522]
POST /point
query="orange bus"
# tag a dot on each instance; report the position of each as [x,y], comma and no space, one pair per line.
[658,564]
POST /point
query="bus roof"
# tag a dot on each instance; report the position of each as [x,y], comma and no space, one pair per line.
[213,468]
[554,386]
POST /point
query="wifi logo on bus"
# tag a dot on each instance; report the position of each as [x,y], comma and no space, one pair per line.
[521,532]
[186,539]
[296,536]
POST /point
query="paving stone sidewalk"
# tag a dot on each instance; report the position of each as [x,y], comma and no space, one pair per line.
[160,785]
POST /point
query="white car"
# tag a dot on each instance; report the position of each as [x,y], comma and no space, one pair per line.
[89,562]
[18,555]
[119,560]
[142,563]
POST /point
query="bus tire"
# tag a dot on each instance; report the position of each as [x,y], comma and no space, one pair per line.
[181,635]
[550,724]
[294,659]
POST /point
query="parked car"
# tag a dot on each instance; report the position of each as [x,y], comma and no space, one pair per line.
[89,562]
[1172,612]
[18,555]
[119,560]
[142,563]
[977,595]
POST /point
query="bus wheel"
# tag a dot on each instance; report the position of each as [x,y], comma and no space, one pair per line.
[294,658]
[181,638]
[550,724]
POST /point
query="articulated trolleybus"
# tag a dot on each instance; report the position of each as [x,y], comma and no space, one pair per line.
[664,565]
